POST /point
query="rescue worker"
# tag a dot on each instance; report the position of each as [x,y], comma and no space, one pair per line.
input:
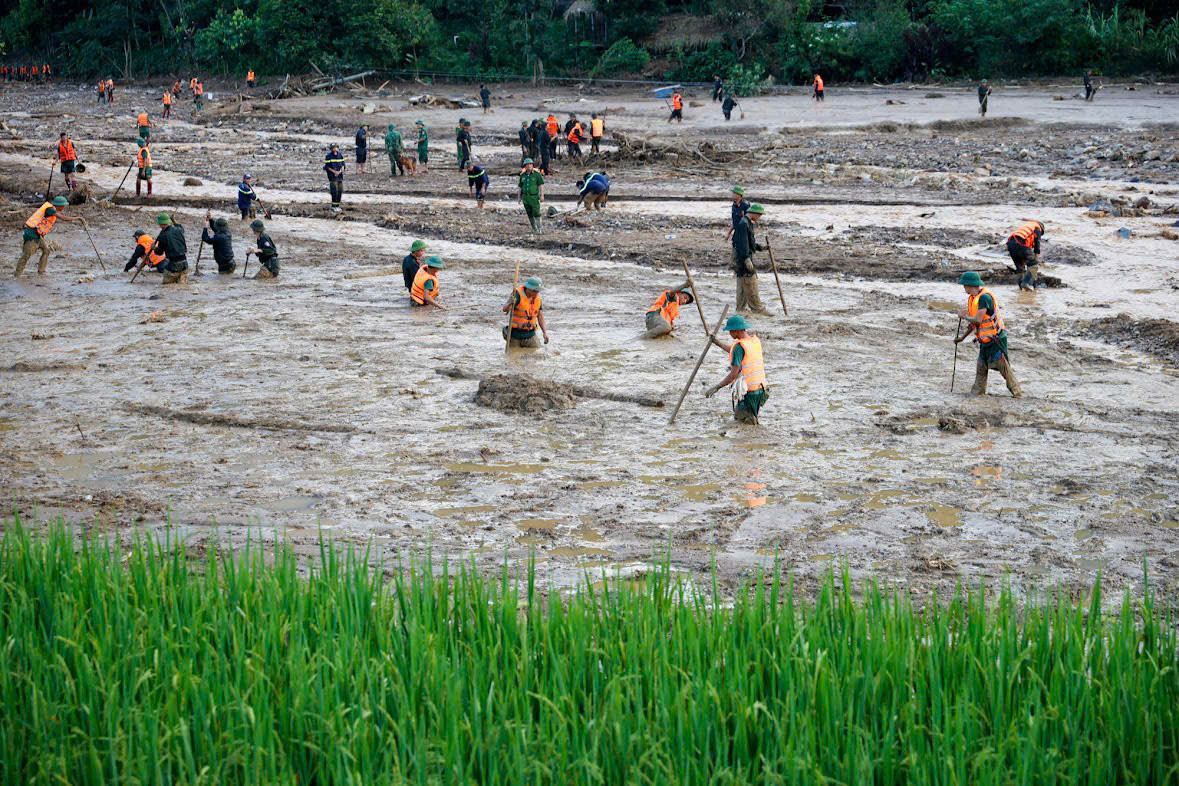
[1024,247]
[361,148]
[37,226]
[984,93]
[143,122]
[464,144]
[554,131]
[143,161]
[718,88]
[1089,91]
[538,139]
[818,94]
[485,98]
[597,129]
[36,72]
[423,147]
[727,107]
[192,83]
[546,147]
[333,164]
[101,92]
[527,314]
[458,144]
[46,73]
[662,314]
[265,251]
[217,235]
[531,193]
[569,124]
[198,97]
[68,157]
[526,140]
[744,244]
[594,190]
[740,208]
[167,104]
[747,371]
[575,136]
[250,78]
[170,243]
[425,287]
[143,251]
[412,262]
[246,195]
[677,107]
[982,312]
[176,88]
[110,90]
[394,148]
[477,182]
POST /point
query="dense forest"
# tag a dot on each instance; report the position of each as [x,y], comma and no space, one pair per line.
[748,41]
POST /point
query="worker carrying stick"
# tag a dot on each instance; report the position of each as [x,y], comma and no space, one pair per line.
[663,312]
[982,312]
[744,244]
[527,314]
[747,372]
[37,227]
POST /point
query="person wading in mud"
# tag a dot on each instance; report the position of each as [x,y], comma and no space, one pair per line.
[662,314]
[412,262]
[818,94]
[747,371]
[143,161]
[333,164]
[984,94]
[527,315]
[143,250]
[144,124]
[170,243]
[265,250]
[37,227]
[425,289]
[531,193]
[1024,247]
[982,312]
[727,107]
[744,244]
[217,235]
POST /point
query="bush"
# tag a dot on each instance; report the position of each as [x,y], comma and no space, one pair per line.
[622,57]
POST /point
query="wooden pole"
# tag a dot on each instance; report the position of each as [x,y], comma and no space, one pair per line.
[695,296]
[699,362]
[138,270]
[121,182]
[516,283]
[92,245]
[50,183]
[778,281]
[200,249]
[954,373]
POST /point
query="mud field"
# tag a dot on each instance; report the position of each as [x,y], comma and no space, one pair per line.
[233,408]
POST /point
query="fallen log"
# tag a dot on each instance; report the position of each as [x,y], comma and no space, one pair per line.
[578,390]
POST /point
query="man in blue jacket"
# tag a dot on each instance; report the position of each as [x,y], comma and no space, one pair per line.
[245,197]
[333,164]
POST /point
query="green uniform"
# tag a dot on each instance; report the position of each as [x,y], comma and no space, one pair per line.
[517,333]
[753,400]
[529,184]
[423,145]
[393,147]
[990,352]
[458,143]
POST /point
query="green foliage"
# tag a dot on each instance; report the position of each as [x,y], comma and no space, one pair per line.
[141,666]
[701,66]
[745,80]
[622,57]
[878,43]
[230,40]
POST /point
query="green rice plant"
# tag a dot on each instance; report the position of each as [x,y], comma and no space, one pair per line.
[150,665]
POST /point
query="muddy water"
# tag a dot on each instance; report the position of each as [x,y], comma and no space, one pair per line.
[321,408]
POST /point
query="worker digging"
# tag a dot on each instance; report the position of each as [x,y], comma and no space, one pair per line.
[747,373]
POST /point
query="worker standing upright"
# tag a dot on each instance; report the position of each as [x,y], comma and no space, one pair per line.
[526,140]
[739,208]
[554,132]
[250,78]
[544,146]
[37,226]
[575,137]
[246,196]
[818,94]
[68,157]
[982,312]
[394,147]
[465,143]
[727,106]
[143,161]
[984,95]
[485,98]
[677,108]
[597,129]
[101,92]
[198,97]
[333,164]
[423,147]
[718,87]
[167,104]
[531,193]
[144,124]
[1024,247]
[412,262]
[110,90]
[747,372]
[361,148]
[744,244]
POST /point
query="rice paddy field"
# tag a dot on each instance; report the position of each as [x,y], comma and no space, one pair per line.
[149,664]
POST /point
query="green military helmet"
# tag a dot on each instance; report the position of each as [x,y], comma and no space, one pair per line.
[534,284]
[392,126]
[138,234]
[524,124]
[529,161]
[142,142]
[60,202]
[971,279]
[418,245]
[163,219]
[738,191]
[756,208]
[257,225]
[435,262]
[736,322]
[419,123]
[221,224]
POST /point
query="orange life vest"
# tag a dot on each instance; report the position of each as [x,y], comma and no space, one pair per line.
[667,305]
[753,370]
[65,151]
[199,89]
[524,312]
[596,126]
[575,133]
[151,259]
[143,158]
[418,291]
[45,68]
[991,325]
[35,70]
[1026,234]
[677,102]
[818,82]
[143,121]
[250,76]
[41,222]
[176,86]
[101,85]
[192,83]
[551,124]
[167,97]
[110,84]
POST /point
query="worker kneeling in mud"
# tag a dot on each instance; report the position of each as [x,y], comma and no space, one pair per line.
[527,314]
[747,372]
[662,314]
[170,243]
[1024,247]
[424,291]
[265,251]
[143,251]
[594,190]
[218,236]
[982,312]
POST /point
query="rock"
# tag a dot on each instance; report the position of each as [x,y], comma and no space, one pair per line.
[1169,234]
[982,171]
[1104,208]
[1143,203]
[245,107]
[1025,154]
[192,181]
[1092,163]
[1153,155]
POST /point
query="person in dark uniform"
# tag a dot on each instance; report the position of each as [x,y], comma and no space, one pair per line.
[718,88]
[170,243]
[984,93]
[265,251]
[1090,91]
[485,98]
[525,141]
[333,164]
[413,261]
[361,148]
[217,235]
[477,182]
[727,107]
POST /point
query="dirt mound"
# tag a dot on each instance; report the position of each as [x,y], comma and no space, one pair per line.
[1159,337]
[80,195]
[1064,254]
[953,421]
[22,365]
[521,393]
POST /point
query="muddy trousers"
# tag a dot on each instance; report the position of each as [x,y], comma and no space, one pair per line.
[656,325]
[1003,366]
[748,298]
[27,249]
[336,186]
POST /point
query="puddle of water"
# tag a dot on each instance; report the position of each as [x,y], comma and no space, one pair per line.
[530,524]
[805,498]
[1083,534]
[7,424]
[499,469]
[944,516]
[466,509]
[890,454]
[820,557]
[1091,564]
[699,493]
[879,500]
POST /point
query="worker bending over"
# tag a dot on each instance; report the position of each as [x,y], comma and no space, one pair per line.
[747,373]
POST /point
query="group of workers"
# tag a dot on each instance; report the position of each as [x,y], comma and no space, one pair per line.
[26,72]
[167,253]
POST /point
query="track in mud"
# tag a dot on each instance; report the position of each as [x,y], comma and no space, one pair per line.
[325,401]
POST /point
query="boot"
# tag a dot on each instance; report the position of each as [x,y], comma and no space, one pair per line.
[149,188]
[980,379]
[137,182]
[538,226]
[1004,368]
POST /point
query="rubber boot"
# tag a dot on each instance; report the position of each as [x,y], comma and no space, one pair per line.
[1004,368]
[137,187]
[980,379]
[539,227]
[149,188]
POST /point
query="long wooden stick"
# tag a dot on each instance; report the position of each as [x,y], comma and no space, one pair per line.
[695,296]
[121,182]
[50,183]
[200,249]
[92,245]
[778,281]
[138,270]
[954,373]
[516,283]
[711,337]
